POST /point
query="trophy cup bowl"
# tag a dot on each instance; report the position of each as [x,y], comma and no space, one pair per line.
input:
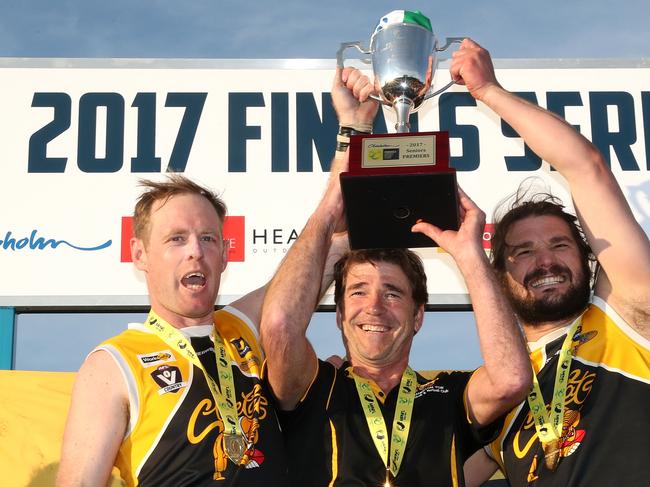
[396,180]
[403,62]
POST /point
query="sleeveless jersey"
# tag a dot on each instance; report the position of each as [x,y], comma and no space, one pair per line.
[175,433]
[605,438]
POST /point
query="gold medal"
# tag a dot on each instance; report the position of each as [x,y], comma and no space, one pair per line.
[551,454]
[235,446]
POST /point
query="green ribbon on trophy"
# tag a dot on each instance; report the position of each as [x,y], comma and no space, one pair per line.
[235,441]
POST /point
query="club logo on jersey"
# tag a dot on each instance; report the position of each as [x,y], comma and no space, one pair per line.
[252,410]
[241,346]
[249,363]
[430,386]
[169,378]
[570,440]
[156,358]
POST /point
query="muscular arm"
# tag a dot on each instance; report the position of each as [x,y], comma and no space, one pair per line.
[505,377]
[251,304]
[619,243]
[293,295]
[96,424]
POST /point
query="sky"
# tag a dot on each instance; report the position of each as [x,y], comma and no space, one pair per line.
[291,29]
[305,29]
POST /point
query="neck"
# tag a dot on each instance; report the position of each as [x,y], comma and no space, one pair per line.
[385,376]
[538,330]
[178,321]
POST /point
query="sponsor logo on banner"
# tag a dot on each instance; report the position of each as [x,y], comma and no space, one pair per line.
[233,233]
[273,240]
[34,241]
[169,379]
[156,358]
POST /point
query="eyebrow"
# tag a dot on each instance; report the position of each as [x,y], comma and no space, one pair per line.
[529,243]
[386,286]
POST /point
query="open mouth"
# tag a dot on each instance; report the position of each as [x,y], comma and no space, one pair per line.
[547,281]
[194,280]
[374,328]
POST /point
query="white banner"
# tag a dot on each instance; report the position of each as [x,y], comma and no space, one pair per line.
[77,136]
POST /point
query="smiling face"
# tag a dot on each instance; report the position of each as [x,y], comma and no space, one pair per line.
[183,259]
[378,315]
[545,275]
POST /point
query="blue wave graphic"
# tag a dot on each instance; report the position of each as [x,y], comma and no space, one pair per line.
[40,243]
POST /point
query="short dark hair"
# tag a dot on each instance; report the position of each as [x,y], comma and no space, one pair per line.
[174,185]
[524,204]
[405,259]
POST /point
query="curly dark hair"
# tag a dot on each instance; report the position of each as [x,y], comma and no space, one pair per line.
[525,203]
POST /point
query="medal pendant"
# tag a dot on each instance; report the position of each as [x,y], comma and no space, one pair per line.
[551,454]
[387,484]
[235,446]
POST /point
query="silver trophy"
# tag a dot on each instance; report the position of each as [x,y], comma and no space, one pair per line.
[404,59]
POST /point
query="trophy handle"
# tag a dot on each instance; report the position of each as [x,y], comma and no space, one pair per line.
[448,42]
[340,61]
[345,45]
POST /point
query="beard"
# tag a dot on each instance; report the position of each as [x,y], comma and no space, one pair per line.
[551,307]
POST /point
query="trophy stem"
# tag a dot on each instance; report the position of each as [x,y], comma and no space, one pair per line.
[403,107]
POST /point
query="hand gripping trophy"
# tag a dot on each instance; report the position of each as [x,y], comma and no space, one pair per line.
[395,180]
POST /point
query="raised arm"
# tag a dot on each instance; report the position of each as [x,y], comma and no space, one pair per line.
[293,296]
[96,424]
[294,291]
[618,241]
[505,377]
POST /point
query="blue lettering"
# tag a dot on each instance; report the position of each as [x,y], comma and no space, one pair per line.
[312,131]
[471,159]
[621,140]
[40,243]
[279,132]
[238,131]
[87,159]
[529,161]
[146,160]
[38,161]
[193,104]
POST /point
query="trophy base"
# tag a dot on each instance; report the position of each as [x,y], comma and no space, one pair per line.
[382,208]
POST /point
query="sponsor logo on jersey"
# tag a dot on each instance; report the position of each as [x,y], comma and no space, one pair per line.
[169,378]
[156,358]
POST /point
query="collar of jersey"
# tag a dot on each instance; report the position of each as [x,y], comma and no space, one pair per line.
[188,331]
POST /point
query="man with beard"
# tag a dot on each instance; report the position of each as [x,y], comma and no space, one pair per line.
[587,413]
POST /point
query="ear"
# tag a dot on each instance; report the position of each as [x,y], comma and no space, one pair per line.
[339,317]
[138,254]
[224,254]
[419,318]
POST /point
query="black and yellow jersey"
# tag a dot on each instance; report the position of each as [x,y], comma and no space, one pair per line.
[175,433]
[329,442]
[606,430]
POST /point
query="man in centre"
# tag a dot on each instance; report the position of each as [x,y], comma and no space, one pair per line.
[374,421]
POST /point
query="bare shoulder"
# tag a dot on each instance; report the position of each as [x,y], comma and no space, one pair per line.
[96,424]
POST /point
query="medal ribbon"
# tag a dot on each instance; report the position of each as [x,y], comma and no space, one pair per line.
[401,421]
[549,426]
[226,403]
